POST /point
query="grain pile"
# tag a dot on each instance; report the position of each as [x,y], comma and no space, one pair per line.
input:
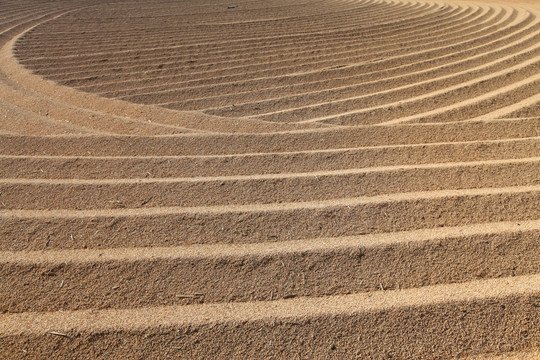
[277,179]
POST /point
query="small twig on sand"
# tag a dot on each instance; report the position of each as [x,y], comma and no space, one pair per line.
[190,296]
[382,287]
[119,138]
[55,333]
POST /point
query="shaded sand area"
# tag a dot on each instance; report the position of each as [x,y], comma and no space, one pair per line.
[281,179]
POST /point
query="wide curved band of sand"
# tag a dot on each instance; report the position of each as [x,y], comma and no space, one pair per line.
[346,305]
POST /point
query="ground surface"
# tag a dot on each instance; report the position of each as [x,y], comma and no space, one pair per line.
[277,179]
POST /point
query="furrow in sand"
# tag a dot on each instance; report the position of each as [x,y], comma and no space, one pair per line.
[370,97]
[383,20]
[212,144]
[218,33]
[433,97]
[165,56]
[241,47]
[122,167]
[350,11]
[29,123]
[295,78]
[217,39]
[167,226]
[511,109]
[119,278]
[121,116]
[287,67]
[482,313]
[314,36]
[271,98]
[163,34]
[378,11]
[55,115]
[102,114]
[129,31]
[530,108]
[10,26]
[264,189]
[491,105]
[268,92]
[353,67]
[168,73]
[226,62]
[56,111]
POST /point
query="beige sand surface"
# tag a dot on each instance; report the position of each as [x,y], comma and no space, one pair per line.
[338,179]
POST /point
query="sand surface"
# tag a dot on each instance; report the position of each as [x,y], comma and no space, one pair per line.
[338,179]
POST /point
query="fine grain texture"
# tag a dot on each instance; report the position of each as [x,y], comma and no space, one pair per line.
[337,179]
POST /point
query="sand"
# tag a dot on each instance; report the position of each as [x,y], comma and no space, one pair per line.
[279,179]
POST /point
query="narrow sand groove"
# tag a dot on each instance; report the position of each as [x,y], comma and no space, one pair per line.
[289,175]
[126,61]
[438,30]
[404,78]
[531,83]
[269,208]
[18,324]
[253,71]
[129,118]
[508,301]
[215,45]
[286,39]
[346,270]
[335,71]
[377,64]
[42,229]
[260,189]
[125,167]
[272,46]
[197,92]
[222,43]
[56,257]
[310,179]
[144,318]
[332,50]
[400,92]
[282,31]
[319,139]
